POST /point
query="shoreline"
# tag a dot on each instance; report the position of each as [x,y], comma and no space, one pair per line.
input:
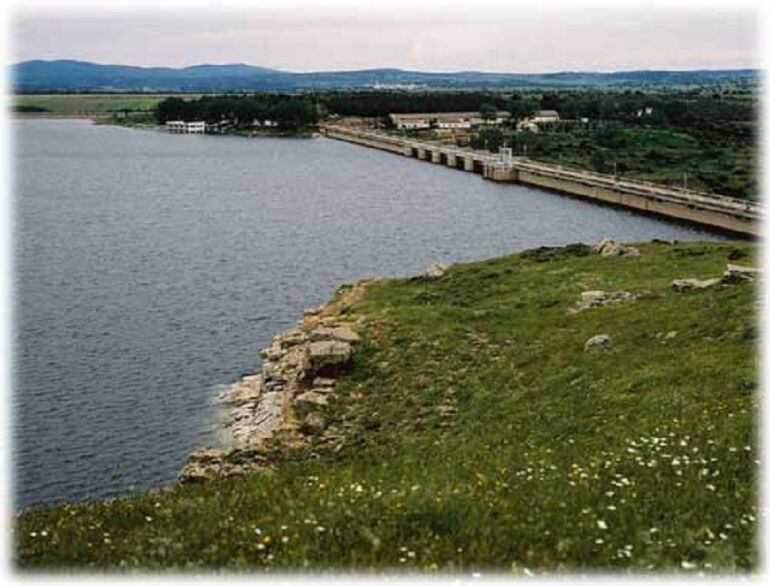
[279,406]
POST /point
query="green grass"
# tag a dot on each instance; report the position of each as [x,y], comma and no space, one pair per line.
[634,457]
[83,104]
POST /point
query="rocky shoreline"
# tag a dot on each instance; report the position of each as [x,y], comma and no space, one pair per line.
[284,405]
[286,400]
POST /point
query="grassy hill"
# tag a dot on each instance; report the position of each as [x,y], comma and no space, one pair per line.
[481,434]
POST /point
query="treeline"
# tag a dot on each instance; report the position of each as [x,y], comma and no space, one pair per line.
[288,112]
[382,103]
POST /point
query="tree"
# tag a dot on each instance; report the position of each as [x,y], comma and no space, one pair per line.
[487,111]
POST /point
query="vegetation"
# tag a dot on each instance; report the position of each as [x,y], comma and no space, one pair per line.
[480,435]
[288,112]
[88,104]
[706,143]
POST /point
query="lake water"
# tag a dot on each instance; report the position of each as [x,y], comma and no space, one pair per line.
[150,269]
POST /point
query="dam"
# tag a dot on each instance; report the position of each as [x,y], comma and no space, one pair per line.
[719,212]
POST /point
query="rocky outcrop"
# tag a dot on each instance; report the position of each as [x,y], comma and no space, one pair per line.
[608,247]
[738,274]
[433,272]
[286,400]
[589,299]
[732,275]
[681,285]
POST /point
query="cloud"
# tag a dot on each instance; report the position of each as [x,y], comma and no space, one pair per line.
[598,39]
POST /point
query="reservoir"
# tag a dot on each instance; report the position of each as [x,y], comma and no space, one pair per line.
[150,268]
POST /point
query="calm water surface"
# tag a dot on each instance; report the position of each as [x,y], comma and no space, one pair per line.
[151,268]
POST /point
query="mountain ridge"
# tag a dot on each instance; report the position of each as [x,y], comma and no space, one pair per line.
[77,75]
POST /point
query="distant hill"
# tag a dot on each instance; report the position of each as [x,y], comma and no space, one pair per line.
[71,75]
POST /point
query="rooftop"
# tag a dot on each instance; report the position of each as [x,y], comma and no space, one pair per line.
[499,114]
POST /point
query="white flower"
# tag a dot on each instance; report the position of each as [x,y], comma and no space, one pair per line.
[601,524]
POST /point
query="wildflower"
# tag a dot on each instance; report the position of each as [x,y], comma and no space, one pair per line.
[601,524]
[148,519]
[688,565]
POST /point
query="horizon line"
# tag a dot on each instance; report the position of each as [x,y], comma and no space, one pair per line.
[462,71]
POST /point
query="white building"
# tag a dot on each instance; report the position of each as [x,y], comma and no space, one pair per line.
[453,123]
[446,120]
[545,116]
[182,127]
[541,117]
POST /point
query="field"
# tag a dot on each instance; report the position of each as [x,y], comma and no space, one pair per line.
[481,434]
[85,104]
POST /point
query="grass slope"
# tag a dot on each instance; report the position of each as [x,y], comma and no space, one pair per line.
[82,104]
[640,455]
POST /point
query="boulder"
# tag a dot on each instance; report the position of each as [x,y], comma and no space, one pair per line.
[598,298]
[738,273]
[291,338]
[329,353]
[433,272]
[608,247]
[345,334]
[320,333]
[681,285]
[310,401]
[274,352]
[598,340]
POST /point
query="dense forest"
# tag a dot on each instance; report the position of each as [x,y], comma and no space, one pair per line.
[294,113]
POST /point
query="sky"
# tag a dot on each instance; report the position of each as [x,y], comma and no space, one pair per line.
[300,35]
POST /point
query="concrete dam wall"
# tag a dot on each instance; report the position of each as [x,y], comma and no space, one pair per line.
[714,211]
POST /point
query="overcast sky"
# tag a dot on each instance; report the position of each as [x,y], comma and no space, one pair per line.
[299,35]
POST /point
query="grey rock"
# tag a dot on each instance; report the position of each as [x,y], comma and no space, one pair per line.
[681,285]
[589,299]
[329,353]
[738,273]
[345,334]
[608,247]
[433,272]
[598,340]
[310,401]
